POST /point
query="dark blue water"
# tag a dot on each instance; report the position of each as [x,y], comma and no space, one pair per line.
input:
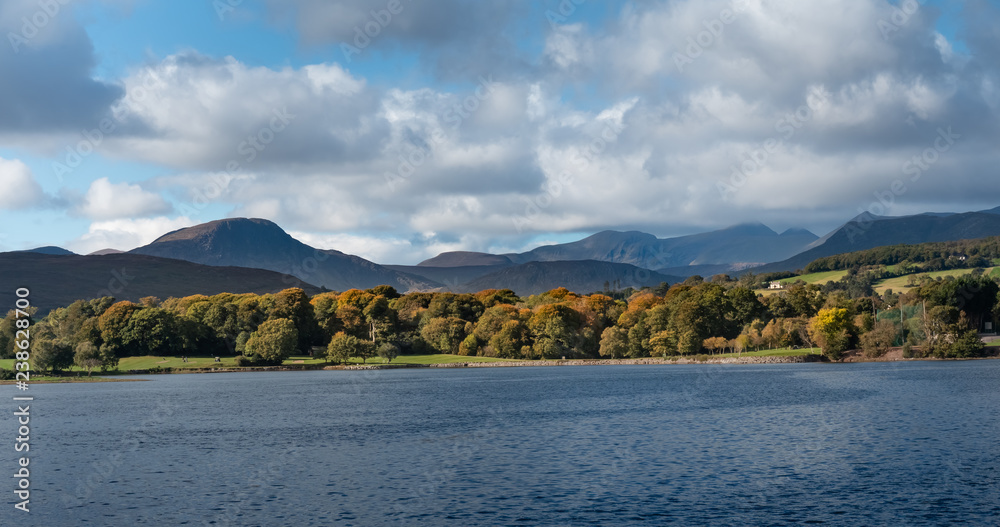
[865,444]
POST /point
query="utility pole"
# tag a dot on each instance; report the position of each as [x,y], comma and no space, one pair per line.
[902,319]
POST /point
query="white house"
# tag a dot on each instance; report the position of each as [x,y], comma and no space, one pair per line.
[775,285]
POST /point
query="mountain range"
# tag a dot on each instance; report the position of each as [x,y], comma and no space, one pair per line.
[256,255]
[264,245]
[57,280]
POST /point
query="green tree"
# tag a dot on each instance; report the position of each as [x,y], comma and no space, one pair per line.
[715,344]
[444,334]
[7,330]
[87,356]
[293,304]
[381,319]
[877,341]
[388,351]
[511,341]
[614,343]
[48,354]
[832,329]
[113,325]
[469,346]
[273,342]
[558,331]
[343,346]
[151,331]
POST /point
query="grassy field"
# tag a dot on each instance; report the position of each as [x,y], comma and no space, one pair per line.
[899,283]
[811,278]
[816,278]
[782,352]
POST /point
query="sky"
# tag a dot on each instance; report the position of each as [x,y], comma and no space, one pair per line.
[399,129]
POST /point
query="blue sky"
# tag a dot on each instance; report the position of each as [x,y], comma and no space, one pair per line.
[493,125]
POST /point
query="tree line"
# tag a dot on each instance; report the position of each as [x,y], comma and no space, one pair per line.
[934,256]
[939,317]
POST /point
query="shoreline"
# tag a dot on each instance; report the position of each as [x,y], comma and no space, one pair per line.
[751,360]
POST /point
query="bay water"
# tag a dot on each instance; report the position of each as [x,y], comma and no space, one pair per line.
[915,443]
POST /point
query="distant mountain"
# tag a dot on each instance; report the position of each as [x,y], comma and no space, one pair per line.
[867,232]
[579,276]
[740,244]
[261,244]
[103,252]
[450,278]
[59,280]
[50,249]
[465,259]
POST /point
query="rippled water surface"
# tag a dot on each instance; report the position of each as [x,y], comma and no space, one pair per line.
[863,444]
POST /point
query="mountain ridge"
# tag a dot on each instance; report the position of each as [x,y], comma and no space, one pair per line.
[262,244]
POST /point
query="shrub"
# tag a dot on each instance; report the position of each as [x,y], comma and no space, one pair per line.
[243,361]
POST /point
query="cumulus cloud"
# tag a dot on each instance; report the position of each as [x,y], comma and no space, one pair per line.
[455,39]
[106,201]
[125,234]
[52,58]
[671,117]
[20,190]
[208,114]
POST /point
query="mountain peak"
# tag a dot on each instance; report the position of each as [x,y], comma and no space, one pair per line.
[464,259]
[235,226]
[995,210]
[798,232]
[620,236]
[259,243]
[51,249]
[866,217]
[754,228]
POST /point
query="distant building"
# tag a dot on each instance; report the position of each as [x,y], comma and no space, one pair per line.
[775,285]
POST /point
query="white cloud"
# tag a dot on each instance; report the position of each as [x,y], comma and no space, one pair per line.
[677,132]
[106,200]
[201,113]
[20,190]
[125,234]
[381,250]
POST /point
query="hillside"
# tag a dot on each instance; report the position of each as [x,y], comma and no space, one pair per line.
[870,232]
[465,259]
[59,280]
[448,277]
[748,243]
[262,244]
[579,276]
[50,249]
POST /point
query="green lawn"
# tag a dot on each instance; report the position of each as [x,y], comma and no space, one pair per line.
[782,352]
[811,278]
[995,343]
[434,359]
[816,278]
